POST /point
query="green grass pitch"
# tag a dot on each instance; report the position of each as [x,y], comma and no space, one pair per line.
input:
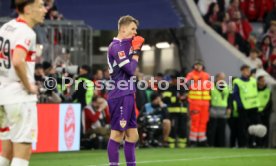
[164,157]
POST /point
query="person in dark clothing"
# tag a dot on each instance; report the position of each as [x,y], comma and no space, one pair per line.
[85,89]
[221,4]
[265,107]
[212,14]
[235,39]
[156,109]
[141,96]
[245,95]
[221,25]
[176,99]
[270,17]
[233,123]
[272,69]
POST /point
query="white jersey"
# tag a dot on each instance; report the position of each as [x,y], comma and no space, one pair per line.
[16,33]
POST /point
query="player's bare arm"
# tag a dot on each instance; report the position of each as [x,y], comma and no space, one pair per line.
[18,61]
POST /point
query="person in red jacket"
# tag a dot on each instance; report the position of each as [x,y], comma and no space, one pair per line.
[243,26]
[251,9]
[96,117]
[256,10]
[265,7]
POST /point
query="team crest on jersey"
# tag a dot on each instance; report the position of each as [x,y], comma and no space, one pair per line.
[123,123]
[122,55]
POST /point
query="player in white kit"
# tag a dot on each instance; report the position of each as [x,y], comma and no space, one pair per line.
[18,112]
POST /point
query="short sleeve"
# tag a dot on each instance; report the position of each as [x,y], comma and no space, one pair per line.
[26,41]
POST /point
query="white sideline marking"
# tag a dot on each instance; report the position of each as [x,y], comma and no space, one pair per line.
[198,158]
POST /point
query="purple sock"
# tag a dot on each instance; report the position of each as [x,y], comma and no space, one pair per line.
[130,153]
[113,152]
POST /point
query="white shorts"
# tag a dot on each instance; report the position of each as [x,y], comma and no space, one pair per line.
[18,122]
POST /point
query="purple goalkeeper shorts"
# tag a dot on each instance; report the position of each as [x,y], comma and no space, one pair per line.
[122,111]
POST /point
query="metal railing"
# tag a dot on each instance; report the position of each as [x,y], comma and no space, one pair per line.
[56,36]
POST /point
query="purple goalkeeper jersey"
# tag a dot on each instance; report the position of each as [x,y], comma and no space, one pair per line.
[121,67]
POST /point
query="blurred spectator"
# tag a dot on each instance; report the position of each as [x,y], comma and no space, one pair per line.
[243,26]
[221,25]
[253,58]
[48,90]
[39,73]
[150,88]
[263,60]
[39,79]
[253,72]
[256,10]
[96,118]
[98,81]
[141,96]
[52,13]
[251,11]
[63,60]
[221,4]
[49,4]
[85,87]
[98,74]
[106,74]
[156,108]
[272,33]
[218,112]
[271,16]
[176,100]
[106,77]
[233,120]
[265,7]
[234,38]
[272,57]
[203,5]
[252,41]
[272,69]
[234,7]
[245,95]
[211,16]
[48,68]
[95,124]
[158,77]
[266,48]
[264,95]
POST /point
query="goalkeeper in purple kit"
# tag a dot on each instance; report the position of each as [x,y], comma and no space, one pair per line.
[123,56]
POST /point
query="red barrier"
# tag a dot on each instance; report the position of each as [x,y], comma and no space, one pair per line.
[56,124]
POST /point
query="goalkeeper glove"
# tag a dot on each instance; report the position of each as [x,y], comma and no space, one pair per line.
[137,43]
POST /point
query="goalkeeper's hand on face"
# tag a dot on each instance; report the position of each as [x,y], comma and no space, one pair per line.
[137,43]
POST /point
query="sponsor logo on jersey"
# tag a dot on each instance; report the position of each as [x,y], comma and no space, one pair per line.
[69,127]
[122,55]
[28,42]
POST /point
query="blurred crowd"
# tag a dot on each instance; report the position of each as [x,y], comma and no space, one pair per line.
[165,116]
[234,20]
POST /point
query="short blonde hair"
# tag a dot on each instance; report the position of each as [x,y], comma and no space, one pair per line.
[126,20]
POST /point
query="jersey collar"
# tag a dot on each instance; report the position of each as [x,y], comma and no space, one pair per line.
[21,20]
